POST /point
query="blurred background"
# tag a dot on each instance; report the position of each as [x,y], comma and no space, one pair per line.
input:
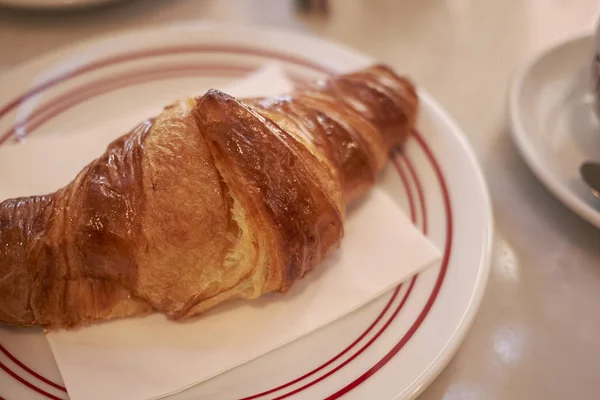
[462,51]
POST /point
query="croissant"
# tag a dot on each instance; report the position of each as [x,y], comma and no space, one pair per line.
[215,198]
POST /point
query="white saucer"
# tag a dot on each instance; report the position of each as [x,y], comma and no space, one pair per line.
[553,123]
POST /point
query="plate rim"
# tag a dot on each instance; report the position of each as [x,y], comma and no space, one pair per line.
[455,339]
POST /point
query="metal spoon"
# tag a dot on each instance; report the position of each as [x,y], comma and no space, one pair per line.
[590,172]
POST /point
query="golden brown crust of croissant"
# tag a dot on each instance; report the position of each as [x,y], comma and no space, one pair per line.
[216,198]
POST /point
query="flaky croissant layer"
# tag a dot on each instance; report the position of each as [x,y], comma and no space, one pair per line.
[216,198]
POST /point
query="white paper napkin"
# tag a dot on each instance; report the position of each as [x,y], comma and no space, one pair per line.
[150,357]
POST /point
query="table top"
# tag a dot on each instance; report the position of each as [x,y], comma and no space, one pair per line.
[536,334]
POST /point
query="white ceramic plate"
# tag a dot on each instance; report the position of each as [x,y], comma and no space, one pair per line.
[391,348]
[553,123]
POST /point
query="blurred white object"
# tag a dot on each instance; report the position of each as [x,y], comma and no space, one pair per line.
[54,4]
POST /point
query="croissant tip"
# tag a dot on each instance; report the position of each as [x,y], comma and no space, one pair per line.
[217,94]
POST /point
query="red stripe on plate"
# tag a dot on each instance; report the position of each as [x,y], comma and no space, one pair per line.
[134,56]
[29,385]
[420,192]
[78,95]
[29,370]
[348,348]
[411,202]
[366,346]
[436,288]
[73,97]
